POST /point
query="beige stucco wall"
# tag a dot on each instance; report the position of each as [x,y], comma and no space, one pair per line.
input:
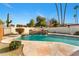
[7,30]
[70,30]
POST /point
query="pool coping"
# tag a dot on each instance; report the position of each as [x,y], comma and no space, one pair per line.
[64,34]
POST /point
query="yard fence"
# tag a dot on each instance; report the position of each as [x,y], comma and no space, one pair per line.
[68,30]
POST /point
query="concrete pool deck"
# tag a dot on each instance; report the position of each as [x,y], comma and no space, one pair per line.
[39,48]
[43,48]
[8,39]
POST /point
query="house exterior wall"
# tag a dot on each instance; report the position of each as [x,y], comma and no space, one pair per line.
[1,32]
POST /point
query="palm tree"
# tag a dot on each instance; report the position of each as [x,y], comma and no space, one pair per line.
[57,12]
[61,12]
[64,13]
[62,19]
[75,17]
[76,8]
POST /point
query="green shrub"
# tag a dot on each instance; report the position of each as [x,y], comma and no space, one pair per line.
[76,33]
[14,45]
[38,32]
[19,30]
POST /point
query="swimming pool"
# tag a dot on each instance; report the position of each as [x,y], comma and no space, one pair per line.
[52,38]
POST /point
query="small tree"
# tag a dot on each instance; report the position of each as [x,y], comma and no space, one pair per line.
[54,22]
[20,30]
[32,23]
[8,21]
[41,21]
[1,22]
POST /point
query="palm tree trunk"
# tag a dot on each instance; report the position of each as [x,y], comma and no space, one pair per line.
[57,12]
[64,13]
[76,16]
[61,12]
[75,20]
[75,8]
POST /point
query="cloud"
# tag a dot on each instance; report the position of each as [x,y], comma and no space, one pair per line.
[40,14]
[7,5]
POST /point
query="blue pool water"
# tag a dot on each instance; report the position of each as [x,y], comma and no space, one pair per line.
[52,38]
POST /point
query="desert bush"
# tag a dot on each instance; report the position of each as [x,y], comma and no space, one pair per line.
[19,30]
[14,45]
[76,33]
[38,32]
